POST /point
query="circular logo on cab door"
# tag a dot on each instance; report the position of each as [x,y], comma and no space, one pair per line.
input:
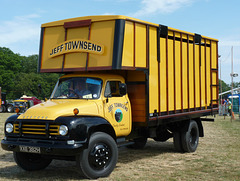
[118,115]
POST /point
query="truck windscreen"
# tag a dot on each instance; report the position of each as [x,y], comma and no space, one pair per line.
[77,88]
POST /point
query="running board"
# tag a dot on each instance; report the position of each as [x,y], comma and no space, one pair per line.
[122,142]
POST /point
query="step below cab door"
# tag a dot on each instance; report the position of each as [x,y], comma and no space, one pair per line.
[117,108]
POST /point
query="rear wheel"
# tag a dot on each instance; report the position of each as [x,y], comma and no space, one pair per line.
[190,138]
[100,158]
[30,161]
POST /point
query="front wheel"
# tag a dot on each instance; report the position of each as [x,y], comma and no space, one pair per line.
[190,138]
[30,161]
[100,158]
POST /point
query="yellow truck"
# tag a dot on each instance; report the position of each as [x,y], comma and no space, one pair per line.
[125,80]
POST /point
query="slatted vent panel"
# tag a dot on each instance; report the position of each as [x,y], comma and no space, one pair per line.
[37,129]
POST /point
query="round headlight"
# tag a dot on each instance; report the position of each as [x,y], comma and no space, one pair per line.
[63,130]
[9,128]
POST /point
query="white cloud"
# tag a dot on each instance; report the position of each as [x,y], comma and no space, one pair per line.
[108,14]
[20,28]
[161,6]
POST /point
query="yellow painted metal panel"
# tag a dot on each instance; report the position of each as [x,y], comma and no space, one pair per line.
[214,55]
[214,74]
[203,85]
[103,33]
[79,59]
[197,78]
[178,80]
[191,76]
[177,35]
[184,36]
[214,82]
[128,46]
[140,43]
[163,77]
[170,33]
[208,77]
[191,38]
[185,75]
[170,76]
[153,67]
[52,36]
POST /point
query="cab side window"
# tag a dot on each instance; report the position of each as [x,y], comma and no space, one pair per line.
[112,89]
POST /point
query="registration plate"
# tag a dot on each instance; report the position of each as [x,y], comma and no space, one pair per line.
[30,149]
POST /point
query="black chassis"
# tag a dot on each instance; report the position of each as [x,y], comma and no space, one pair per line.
[79,130]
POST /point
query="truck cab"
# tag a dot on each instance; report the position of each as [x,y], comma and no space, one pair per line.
[76,95]
[80,106]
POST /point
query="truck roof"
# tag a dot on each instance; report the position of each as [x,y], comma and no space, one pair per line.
[111,17]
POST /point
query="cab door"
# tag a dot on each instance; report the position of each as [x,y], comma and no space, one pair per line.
[117,109]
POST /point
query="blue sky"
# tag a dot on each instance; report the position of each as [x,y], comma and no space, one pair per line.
[20,21]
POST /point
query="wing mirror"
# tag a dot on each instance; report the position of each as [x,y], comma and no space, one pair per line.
[123,89]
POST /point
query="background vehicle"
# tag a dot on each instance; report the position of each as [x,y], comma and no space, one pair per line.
[22,105]
[5,106]
[125,81]
[34,99]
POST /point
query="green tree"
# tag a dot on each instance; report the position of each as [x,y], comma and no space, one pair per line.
[9,66]
[29,64]
[18,76]
[224,85]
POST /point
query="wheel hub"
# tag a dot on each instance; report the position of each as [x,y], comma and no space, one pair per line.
[99,156]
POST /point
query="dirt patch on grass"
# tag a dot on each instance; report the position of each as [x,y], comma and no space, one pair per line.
[217,158]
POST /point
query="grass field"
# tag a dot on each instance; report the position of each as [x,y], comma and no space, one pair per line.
[217,158]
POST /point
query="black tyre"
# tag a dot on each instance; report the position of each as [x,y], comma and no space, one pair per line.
[2,108]
[139,143]
[190,138]
[100,158]
[10,108]
[177,141]
[30,161]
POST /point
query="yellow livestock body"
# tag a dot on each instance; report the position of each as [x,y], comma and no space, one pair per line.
[169,72]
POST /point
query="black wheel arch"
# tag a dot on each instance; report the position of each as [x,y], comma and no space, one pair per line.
[184,125]
[105,128]
[81,128]
[200,126]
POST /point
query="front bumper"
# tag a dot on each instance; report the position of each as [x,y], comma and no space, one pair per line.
[47,147]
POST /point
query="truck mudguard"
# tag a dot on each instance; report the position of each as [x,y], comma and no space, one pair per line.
[80,128]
